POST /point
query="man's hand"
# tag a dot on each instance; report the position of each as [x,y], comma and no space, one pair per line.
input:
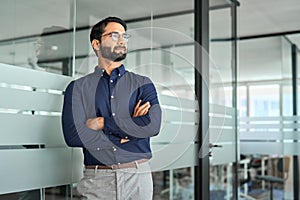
[95,123]
[123,140]
[141,110]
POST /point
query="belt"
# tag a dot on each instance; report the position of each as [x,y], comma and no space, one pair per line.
[117,166]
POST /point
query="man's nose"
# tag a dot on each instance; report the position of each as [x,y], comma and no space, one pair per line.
[121,41]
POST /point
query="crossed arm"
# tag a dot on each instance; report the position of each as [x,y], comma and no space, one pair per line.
[79,131]
[98,122]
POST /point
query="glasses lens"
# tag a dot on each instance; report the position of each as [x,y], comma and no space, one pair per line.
[126,36]
[115,36]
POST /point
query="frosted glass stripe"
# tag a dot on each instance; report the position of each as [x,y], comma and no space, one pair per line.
[29,77]
[176,133]
[25,169]
[173,156]
[221,135]
[269,126]
[220,109]
[286,148]
[291,118]
[30,129]
[77,165]
[178,102]
[223,155]
[261,135]
[295,135]
[291,148]
[279,118]
[261,148]
[29,100]
[179,116]
[221,121]
[271,135]
[222,132]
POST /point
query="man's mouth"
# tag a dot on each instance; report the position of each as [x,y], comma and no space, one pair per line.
[120,48]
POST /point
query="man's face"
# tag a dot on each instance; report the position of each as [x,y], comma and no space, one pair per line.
[112,49]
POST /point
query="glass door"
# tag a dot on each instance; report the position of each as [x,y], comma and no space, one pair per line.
[223,143]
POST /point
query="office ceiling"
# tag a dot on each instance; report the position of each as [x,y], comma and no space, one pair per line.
[255,17]
[267,58]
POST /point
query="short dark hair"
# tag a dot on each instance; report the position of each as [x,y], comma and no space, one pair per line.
[98,29]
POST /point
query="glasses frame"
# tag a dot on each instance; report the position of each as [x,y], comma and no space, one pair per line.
[116,36]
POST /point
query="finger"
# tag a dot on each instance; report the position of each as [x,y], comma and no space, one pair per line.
[145,105]
[138,112]
[145,112]
[142,111]
[124,140]
[137,105]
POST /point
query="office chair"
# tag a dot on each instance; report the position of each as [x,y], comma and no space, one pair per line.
[283,167]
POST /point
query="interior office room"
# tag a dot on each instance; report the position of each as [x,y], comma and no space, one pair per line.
[226,73]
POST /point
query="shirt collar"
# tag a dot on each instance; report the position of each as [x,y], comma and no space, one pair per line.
[99,71]
[119,71]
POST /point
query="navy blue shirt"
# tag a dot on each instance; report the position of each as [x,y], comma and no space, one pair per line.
[113,97]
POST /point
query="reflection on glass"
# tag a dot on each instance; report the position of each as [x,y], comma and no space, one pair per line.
[23,195]
[41,42]
[177,184]
[53,51]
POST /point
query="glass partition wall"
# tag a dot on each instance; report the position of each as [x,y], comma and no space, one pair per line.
[162,47]
[37,38]
[56,40]
[268,87]
[223,139]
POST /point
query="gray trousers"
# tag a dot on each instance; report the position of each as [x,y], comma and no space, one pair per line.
[120,184]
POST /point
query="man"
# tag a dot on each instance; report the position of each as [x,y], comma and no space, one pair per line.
[112,113]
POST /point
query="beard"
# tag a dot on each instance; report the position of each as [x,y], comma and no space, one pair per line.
[112,55]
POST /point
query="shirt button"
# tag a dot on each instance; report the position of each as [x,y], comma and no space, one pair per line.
[112,96]
[98,149]
[113,114]
[126,137]
[119,74]
[114,149]
[119,163]
[111,81]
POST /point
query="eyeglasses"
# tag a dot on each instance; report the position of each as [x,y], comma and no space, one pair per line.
[116,36]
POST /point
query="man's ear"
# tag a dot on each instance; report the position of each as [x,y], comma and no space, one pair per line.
[96,44]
